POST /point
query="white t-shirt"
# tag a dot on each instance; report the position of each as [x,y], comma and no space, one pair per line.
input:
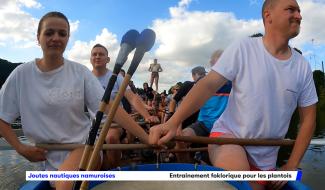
[51,104]
[265,94]
[104,81]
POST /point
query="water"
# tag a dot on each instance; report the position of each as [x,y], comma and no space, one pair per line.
[313,163]
[313,167]
[13,168]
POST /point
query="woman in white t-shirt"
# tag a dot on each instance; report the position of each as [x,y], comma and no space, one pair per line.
[49,94]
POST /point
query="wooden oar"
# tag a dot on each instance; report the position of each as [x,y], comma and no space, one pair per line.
[242,141]
[237,141]
[127,45]
[117,147]
[104,147]
[144,43]
[201,140]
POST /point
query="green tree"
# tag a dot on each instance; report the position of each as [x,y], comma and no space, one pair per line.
[6,68]
[319,81]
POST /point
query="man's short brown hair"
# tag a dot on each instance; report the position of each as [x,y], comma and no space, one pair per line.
[101,46]
[268,4]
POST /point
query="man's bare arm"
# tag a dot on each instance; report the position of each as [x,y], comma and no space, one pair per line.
[306,130]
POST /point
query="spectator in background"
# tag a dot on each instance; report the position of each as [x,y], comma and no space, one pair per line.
[99,59]
[149,93]
[208,115]
[155,68]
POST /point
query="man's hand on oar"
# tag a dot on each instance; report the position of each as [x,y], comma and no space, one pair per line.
[32,153]
[161,134]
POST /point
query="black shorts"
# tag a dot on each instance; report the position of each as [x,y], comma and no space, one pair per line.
[200,129]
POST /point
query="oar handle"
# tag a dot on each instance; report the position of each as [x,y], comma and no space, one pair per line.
[96,124]
[118,147]
[288,142]
[105,146]
[237,141]
[199,140]
[103,133]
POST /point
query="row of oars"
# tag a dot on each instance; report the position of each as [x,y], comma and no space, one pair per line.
[132,39]
[129,40]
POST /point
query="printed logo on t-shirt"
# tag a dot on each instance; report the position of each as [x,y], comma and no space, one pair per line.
[58,95]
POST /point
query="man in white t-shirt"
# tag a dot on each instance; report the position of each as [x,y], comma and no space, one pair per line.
[99,58]
[270,80]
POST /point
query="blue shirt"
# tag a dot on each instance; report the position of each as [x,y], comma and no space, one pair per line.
[214,107]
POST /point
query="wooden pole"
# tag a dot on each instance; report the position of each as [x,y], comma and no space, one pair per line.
[237,141]
[202,140]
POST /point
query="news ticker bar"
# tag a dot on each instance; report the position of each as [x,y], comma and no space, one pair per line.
[163,175]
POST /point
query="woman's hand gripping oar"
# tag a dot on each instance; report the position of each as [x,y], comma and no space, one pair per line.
[128,43]
[144,44]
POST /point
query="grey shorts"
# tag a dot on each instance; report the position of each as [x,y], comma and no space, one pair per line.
[200,129]
[154,75]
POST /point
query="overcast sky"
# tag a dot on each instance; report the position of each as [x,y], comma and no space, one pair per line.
[188,31]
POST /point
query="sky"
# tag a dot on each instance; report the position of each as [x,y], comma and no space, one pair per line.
[187,31]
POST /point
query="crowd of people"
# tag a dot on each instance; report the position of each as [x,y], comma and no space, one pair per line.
[251,92]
